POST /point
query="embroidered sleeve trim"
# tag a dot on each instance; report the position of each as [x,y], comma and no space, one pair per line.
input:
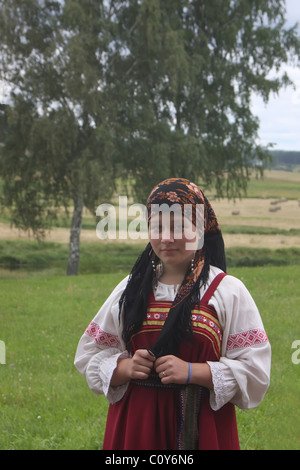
[102,338]
[246,339]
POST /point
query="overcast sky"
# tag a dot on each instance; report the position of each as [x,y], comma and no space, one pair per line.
[280,118]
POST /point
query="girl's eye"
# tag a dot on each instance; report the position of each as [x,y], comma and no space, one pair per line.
[155,228]
[158,229]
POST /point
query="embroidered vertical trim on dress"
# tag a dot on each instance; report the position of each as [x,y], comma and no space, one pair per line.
[205,322]
[101,337]
[246,339]
[190,401]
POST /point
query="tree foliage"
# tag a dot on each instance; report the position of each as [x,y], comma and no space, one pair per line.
[191,68]
[139,90]
[59,147]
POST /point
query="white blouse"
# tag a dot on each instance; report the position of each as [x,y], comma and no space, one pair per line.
[241,376]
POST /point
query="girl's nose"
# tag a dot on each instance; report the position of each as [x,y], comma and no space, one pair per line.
[167,235]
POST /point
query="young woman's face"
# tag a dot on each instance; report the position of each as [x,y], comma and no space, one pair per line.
[170,240]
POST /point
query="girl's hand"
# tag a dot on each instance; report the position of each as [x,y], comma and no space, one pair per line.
[141,364]
[171,369]
[138,366]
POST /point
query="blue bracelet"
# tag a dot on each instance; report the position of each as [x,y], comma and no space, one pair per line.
[190,373]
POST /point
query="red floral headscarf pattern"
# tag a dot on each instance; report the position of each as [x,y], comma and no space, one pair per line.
[182,192]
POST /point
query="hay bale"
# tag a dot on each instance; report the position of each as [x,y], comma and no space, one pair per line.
[274,209]
[273,203]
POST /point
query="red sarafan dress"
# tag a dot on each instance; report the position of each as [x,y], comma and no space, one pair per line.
[153,416]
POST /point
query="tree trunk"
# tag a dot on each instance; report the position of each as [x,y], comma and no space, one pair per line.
[74,248]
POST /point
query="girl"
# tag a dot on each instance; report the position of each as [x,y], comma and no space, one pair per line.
[179,342]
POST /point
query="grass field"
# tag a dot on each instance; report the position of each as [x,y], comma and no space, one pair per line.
[275,184]
[46,404]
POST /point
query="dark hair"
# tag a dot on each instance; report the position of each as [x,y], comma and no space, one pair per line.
[134,300]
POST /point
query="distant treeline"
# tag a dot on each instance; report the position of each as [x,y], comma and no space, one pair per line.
[285,159]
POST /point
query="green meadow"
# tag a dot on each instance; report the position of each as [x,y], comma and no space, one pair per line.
[275,184]
[46,404]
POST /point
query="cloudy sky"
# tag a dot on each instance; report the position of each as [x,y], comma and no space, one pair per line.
[280,118]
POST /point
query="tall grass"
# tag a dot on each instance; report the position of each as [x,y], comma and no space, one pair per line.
[25,257]
[46,404]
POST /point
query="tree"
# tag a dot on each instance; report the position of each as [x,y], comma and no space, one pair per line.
[145,89]
[58,146]
[191,67]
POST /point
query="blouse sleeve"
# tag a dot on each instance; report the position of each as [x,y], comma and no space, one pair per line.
[242,375]
[101,346]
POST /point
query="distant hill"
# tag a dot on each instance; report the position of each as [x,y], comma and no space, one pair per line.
[286,160]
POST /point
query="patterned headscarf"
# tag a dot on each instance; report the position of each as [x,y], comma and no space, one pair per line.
[134,301]
[184,192]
